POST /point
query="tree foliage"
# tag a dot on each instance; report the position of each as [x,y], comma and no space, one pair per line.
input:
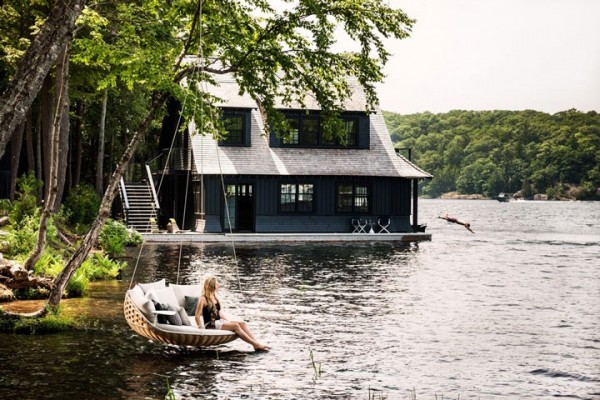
[43,50]
[275,55]
[488,152]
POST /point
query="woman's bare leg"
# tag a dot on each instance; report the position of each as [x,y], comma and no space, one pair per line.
[245,328]
[236,327]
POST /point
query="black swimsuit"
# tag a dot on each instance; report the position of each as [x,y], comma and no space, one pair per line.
[210,316]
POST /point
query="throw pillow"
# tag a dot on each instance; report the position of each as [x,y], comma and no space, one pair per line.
[190,305]
[185,290]
[148,311]
[185,320]
[137,297]
[174,319]
[161,319]
[146,287]
[165,296]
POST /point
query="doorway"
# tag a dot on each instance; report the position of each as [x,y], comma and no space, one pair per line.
[238,214]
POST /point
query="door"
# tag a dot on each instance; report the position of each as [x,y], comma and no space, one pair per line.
[238,214]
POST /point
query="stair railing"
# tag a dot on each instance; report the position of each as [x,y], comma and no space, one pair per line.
[125,199]
[152,188]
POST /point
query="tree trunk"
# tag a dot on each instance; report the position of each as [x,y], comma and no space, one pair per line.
[62,72]
[47,103]
[77,146]
[29,140]
[15,157]
[63,142]
[48,109]
[88,242]
[100,159]
[69,169]
[38,144]
[39,58]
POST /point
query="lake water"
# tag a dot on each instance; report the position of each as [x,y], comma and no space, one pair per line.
[510,312]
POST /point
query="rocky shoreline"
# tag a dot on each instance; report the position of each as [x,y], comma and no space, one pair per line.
[13,277]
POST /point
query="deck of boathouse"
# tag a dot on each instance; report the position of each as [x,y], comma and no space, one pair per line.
[193,237]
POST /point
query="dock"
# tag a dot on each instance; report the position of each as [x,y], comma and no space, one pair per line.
[194,237]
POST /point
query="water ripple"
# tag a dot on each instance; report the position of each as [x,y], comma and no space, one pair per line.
[510,312]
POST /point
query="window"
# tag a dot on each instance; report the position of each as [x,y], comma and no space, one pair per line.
[304,132]
[351,128]
[353,198]
[293,137]
[236,127]
[296,197]
[307,131]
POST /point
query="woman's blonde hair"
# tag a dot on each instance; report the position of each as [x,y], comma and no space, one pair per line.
[210,290]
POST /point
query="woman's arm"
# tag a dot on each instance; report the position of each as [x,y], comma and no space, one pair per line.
[198,315]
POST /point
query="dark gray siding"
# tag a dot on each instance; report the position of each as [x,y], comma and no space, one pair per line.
[364,135]
[389,197]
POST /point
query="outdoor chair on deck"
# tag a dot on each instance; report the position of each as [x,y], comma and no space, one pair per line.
[383,223]
[359,225]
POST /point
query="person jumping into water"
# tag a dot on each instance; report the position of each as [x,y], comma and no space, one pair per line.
[456,221]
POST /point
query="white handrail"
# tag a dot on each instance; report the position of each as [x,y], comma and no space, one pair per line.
[124,191]
[151,181]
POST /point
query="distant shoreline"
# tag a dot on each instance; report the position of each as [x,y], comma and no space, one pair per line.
[536,197]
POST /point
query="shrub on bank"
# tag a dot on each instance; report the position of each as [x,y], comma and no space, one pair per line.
[98,267]
[115,237]
[80,207]
[5,207]
[95,267]
[26,203]
[21,241]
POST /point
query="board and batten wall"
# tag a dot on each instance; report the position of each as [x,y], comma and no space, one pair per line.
[389,197]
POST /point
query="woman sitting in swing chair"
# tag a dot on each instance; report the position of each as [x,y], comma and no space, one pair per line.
[209,311]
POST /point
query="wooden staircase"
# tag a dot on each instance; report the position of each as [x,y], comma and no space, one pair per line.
[140,206]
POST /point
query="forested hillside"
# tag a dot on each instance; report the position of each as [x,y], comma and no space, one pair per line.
[488,152]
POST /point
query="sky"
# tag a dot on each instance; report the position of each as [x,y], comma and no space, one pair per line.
[495,55]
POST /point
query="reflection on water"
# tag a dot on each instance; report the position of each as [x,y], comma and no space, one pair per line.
[510,312]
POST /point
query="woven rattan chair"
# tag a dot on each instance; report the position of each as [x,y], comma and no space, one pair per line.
[162,334]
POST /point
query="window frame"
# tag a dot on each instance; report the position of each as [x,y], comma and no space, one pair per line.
[296,194]
[354,197]
[300,139]
[243,114]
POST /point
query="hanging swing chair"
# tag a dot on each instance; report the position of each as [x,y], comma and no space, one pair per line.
[139,304]
[172,334]
[140,308]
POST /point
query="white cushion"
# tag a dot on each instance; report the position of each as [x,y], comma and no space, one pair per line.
[148,310]
[186,290]
[142,303]
[146,287]
[185,320]
[137,296]
[193,330]
[164,296]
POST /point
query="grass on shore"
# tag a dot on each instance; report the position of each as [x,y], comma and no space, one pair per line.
[50,323]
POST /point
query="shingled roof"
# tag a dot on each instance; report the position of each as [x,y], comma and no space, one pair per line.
[380,159]
[227,90]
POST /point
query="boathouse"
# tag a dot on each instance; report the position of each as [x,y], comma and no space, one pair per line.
[303,183]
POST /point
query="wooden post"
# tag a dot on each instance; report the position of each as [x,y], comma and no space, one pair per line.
[415,195]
